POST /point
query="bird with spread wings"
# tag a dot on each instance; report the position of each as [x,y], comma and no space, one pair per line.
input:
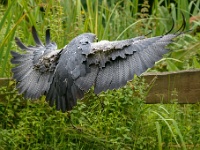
[63,76]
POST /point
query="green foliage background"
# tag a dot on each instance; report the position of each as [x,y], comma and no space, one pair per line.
[116,119]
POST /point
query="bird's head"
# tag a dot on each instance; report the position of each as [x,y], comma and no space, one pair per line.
[91,37]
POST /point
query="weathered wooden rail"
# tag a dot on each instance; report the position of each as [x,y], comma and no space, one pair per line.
[4,81]
[167,87]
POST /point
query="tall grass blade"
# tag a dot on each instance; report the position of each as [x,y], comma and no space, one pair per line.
[159,135]
[180,135]
[168,125]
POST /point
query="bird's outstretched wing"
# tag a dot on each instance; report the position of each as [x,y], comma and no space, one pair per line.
[113,63]
[64,76]
[34,68]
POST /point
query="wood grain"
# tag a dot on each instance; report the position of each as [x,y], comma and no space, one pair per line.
[182,87]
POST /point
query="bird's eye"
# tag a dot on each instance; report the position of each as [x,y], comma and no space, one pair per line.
[96,39]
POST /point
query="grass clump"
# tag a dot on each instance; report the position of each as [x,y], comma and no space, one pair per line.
[113,120]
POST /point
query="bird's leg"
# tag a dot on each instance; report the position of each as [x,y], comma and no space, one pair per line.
[70,120]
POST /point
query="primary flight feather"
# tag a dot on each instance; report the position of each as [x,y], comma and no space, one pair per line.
[65,75]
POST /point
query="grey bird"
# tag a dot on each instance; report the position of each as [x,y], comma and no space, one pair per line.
[63,76]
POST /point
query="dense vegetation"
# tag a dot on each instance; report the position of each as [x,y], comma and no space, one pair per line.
[116,119]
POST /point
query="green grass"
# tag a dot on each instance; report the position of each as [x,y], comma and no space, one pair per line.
[113,120]
[116,119]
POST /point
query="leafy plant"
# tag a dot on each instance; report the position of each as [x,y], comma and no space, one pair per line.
[116,119]
[113,120]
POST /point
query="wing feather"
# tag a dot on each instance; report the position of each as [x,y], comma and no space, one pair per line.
[115,75]
[104,79]
[48,37]
[21,72]
[85,82]
[120,60]
[20,58]
[139,68]
[33,69]
[36,38]
[22,46]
